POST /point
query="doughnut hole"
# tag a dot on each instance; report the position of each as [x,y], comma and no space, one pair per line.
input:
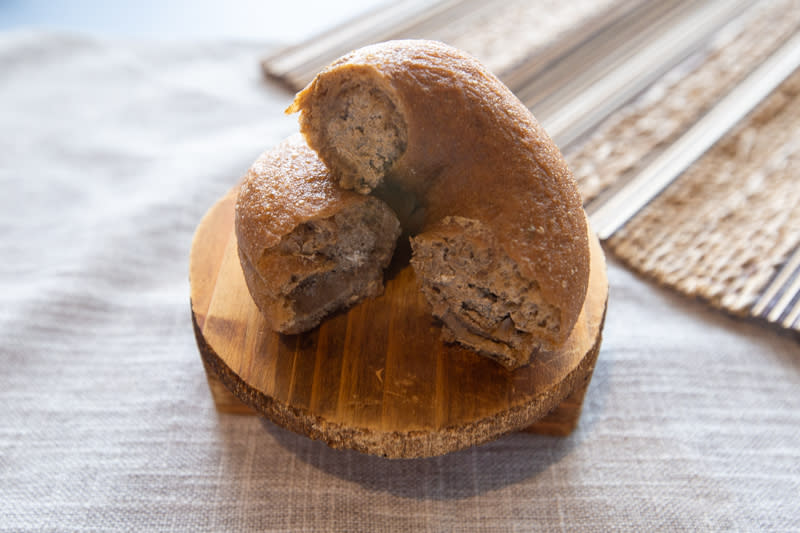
[365,134]
[477,292]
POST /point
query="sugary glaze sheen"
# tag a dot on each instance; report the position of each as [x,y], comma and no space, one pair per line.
[425,118]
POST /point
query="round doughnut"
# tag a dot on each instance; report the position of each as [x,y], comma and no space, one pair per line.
[308,247]
[499,235]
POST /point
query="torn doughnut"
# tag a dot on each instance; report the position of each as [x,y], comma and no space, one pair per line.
[308,247]
[500,249]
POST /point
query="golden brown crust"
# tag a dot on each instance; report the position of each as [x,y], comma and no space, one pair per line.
[306,246]
[286,186]
[472,150]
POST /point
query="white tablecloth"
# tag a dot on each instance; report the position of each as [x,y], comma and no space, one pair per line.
[110,153]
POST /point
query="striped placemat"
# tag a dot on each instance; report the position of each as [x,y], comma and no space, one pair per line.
[696,182]
[678,118]
[504,34]
[722,231]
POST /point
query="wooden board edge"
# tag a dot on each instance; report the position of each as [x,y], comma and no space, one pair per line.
[410,444]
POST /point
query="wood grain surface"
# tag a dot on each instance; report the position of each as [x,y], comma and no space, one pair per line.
[377,378]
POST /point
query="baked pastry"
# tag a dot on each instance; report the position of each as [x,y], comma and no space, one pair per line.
[308,247]
[500,244]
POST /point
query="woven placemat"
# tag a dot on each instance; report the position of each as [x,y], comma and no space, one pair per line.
[629,137]
[503,34]
[728,227]
[723,230]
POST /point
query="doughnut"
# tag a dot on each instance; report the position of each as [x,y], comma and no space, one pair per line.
[498,231]
[308,247]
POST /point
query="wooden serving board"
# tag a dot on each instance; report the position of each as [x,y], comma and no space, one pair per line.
[377,378]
